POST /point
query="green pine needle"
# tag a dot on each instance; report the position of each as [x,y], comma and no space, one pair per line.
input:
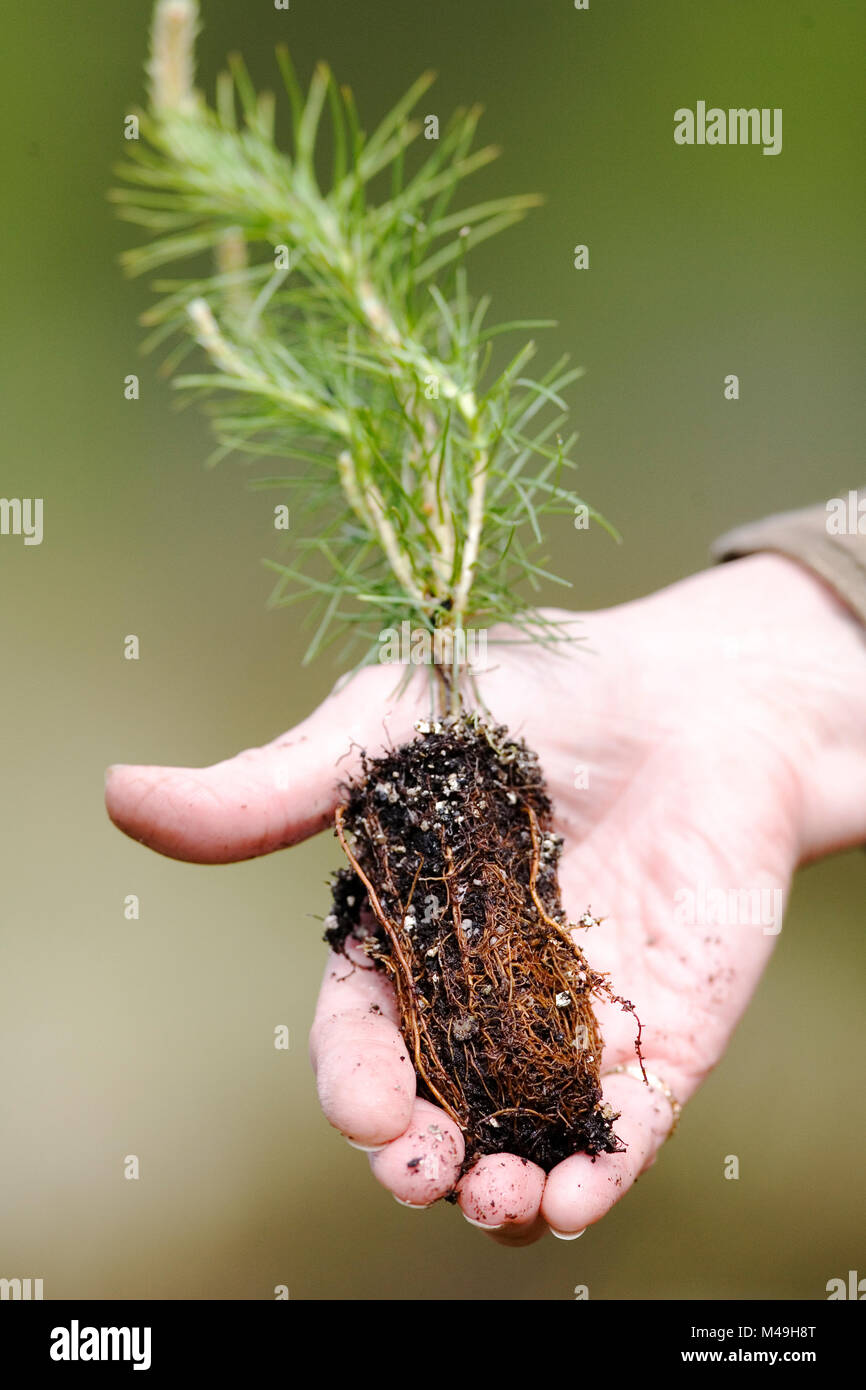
[341,336]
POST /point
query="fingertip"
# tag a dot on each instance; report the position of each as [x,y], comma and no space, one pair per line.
[115,775]
[501,1190]
[483,1225]
[582,1189]
[365,1080]
[516,1237]
[424,1163]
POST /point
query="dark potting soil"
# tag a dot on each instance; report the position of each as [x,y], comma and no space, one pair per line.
[452,890]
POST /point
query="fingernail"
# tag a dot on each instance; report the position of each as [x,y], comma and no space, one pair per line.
[413,1206]
[566,1235]
[367,1148]
[483,1225]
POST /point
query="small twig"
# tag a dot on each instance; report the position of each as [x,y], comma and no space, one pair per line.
[472,544]
[172,62]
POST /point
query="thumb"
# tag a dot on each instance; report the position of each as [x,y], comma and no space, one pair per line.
[264,798]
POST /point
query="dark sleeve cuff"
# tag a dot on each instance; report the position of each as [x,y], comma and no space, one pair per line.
[829,539]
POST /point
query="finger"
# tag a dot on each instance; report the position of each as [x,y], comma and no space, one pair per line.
[264,798]
[424,1163]
[518,1236]
[502,1193]
[580,1190]
[364,1075]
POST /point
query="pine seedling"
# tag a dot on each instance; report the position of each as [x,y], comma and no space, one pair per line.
[342,338]
[339,335]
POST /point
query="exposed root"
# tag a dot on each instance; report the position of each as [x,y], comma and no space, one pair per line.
[452,889]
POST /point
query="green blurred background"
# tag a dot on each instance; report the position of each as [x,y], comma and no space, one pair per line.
[155,1037]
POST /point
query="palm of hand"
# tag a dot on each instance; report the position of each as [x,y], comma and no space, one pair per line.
[672,768]
[651,809]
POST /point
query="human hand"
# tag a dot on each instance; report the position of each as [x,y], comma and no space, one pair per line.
[698,744]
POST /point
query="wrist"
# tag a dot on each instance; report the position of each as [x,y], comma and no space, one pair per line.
[811,683]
